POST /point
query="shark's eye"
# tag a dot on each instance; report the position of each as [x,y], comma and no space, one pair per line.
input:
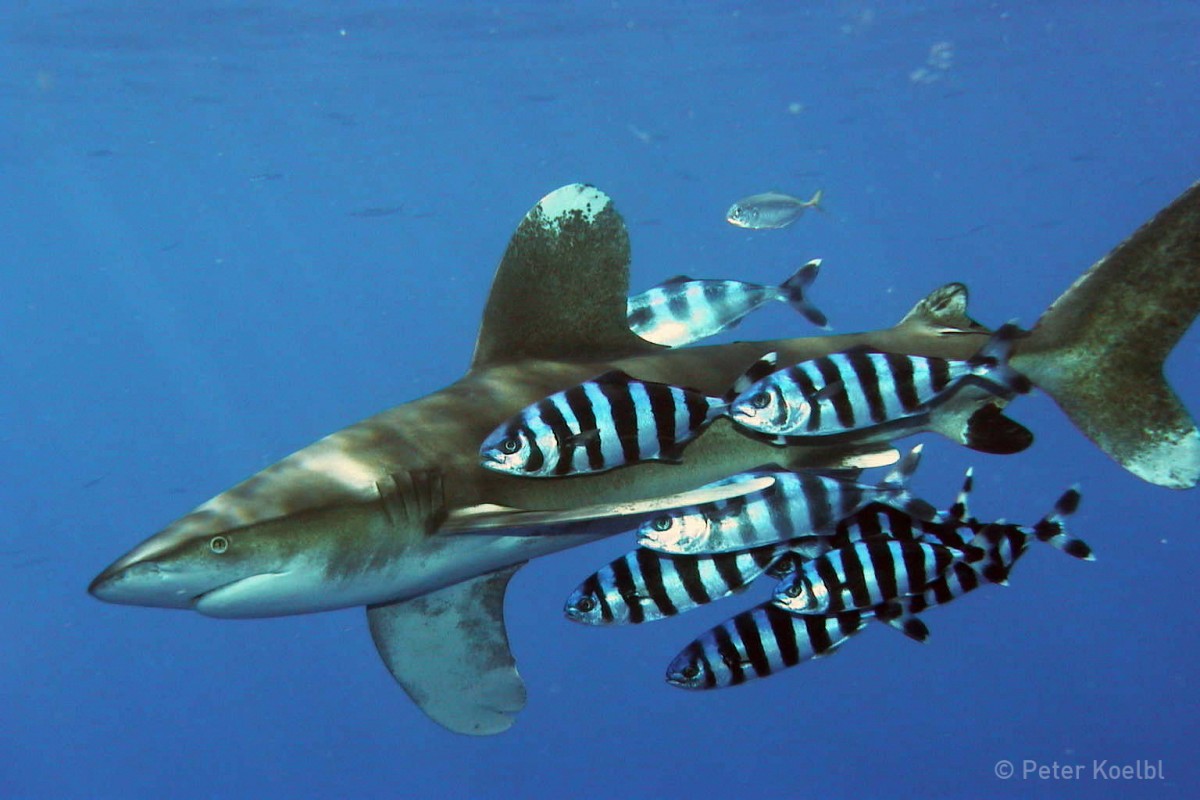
[662,523]
[585,604]
[218,544]
[760,400]
[690,671]
[510,445]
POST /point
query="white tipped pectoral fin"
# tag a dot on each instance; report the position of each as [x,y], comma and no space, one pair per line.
[449,650]
[496,520]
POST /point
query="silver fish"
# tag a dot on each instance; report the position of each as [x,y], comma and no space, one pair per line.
[770,210]
[863,575]
[598,425]
[798,504]
[758,643]
[886,395]
[683,310]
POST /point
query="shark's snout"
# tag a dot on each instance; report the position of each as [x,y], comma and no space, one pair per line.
[142,583]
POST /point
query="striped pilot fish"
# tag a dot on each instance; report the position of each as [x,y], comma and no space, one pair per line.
[682,310]
[798,504]
[644,585]
[863,575]
[758,643]
[767,639]
[598,425]
[863,390]
[770,210]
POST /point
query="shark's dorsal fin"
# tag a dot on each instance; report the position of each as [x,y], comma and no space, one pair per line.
[943,309]
[449,650]
[560,291]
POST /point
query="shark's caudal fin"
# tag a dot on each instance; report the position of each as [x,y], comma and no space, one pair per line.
[1099,349]
[560,291]
[449,650]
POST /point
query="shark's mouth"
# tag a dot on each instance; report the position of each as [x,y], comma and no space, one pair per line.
[251,596]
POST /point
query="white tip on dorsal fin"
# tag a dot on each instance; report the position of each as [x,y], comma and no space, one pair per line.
[560,290]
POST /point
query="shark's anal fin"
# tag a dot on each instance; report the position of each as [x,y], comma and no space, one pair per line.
[560,291]
[1099,349]
[449,650]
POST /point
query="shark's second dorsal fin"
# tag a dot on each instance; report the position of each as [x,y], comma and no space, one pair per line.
[560,291]
[944,309]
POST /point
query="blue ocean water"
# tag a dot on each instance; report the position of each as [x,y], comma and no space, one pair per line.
[230,228]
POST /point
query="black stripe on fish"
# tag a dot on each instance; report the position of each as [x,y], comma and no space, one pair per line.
[650,565]
[688,570]
[809,390]
[553,419]
[839,399]
[902,379]
[592,587]
[677,304]
[883,568]
[939,373]
[662,407]
[698,409]
[728,652]
[624,584]
[581,407]
[816,496]
[625,420]
[752,644]
[869,381]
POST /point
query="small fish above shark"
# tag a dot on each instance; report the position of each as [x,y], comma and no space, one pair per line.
[395,514]
[682,310]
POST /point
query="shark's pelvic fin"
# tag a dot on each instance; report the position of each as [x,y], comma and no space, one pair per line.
[449,650]
[560,291]
[1099,349]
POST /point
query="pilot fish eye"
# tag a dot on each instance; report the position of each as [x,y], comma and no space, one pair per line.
[690,671]
[218,544]
[661,523]
[760,400]
[793,591]
[585,604]
[510,445]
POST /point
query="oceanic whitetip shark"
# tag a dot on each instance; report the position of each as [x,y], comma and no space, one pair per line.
[396,514]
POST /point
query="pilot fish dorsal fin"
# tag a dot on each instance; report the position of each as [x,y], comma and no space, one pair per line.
[449,650]
[560,291]
[944,310]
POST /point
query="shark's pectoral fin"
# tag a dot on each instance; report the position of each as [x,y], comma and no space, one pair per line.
[560,291]
[597,519]
[449,650]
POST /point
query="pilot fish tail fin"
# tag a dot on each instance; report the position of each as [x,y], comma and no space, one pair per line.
[1052,528]
[815,200]
[1099,349]
[795,291]
[560,290]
